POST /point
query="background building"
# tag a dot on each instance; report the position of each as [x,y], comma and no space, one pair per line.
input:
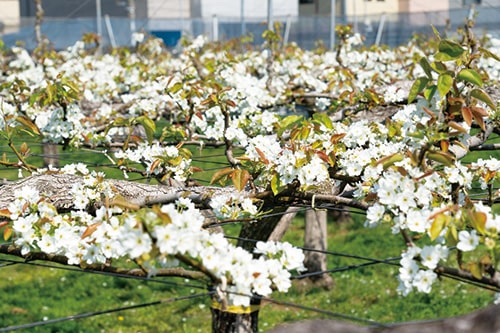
[304,21]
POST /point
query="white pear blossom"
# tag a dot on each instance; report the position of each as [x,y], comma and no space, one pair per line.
[423,280]
[467,240]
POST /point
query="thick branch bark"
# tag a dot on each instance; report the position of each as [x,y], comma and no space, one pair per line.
[455,272]
[472,143]
[57,188]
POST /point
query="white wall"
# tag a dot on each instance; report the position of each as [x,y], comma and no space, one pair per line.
[253,8]
[168,8]
[9,13]
[372,7]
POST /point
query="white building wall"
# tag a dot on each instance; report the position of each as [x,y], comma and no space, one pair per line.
[9,13]
[371,7]
[169,9]
[253,8]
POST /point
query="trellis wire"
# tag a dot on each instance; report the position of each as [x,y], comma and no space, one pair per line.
[96,272]
[96,313]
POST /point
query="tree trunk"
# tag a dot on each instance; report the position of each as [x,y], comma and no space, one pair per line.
[283,224]
[315,237]
[50,155]
[228,322]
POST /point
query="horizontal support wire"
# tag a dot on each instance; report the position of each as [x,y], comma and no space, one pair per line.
[110,274]
[324,312]
[346,268]
[98,313]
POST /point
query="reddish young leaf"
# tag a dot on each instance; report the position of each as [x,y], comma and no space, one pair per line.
[231,103]
[445,144]
[154,165]
[90,230]
[478,114]
[5,212]
[457,127]
[240,179]
[467,114]
[7,233]
[219,175]
[262,156]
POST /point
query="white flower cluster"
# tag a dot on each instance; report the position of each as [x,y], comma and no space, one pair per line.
[410,274]
[57,125]
[81,237]
[407,201]
[233,206]
[244,274]
[287,163]
[93,188]
[176,230]
[159,160]
[487,170]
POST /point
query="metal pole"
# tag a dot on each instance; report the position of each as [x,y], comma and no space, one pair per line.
[181,15]
[98,17]
[131,5]
[287,29]
[269,14]
[242,17]
[355,16]
[215,28]
[333,13]
[472,11]
[380,29]
[109,28]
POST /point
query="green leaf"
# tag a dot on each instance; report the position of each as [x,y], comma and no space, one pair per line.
[439,67]
[440,157]
[488,54]
[288,122]
[430,92]
[478,221]
[149,126]
[372,95]
[417,86]
[444,83]
[426,66]
[322,118]
[440,222]
[121,121]
[452,235]
[240,179]
[390,160]
[436,32]
[176,87]
[483,97]
[471,76]
[26,122]
[449,50]
[276,185]
[475,270]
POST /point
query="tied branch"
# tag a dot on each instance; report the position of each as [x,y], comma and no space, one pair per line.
[137,272]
